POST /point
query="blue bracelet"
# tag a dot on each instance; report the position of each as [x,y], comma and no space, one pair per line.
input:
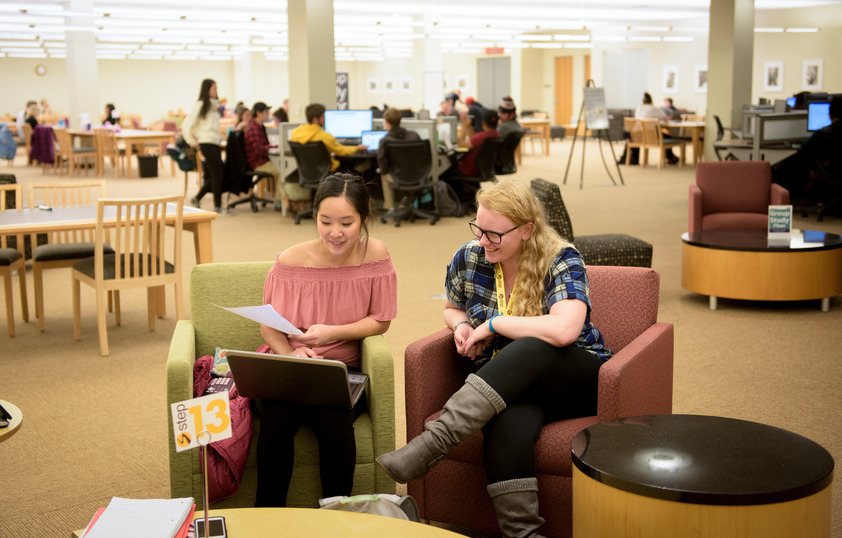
[491,324]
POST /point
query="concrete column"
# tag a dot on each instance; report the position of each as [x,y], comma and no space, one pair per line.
[730,60]
[312,63]
[243,76]
[82,73]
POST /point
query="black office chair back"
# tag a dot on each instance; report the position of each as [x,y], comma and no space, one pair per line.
[313,163]
[236,164]
[409,163]
[720,130]
[506,154]
[486,157]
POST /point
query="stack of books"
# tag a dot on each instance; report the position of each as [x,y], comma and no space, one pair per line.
[142,518]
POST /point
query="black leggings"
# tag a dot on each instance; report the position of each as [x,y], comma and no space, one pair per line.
[214,173]
[540,383]
[334,429]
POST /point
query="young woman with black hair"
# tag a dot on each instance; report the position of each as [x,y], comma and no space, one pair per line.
[349,284]
[201,129]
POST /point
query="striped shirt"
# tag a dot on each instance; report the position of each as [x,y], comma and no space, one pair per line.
[470,287]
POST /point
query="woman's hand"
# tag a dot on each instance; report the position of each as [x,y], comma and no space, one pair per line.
[305,351]
[470,342]
[316,335]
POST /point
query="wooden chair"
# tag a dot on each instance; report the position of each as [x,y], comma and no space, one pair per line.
[653,138]
[532,135]
[105,144]
[26,136]
[70,155]
[65,248]
[140,243]
[635,130]
[11,259]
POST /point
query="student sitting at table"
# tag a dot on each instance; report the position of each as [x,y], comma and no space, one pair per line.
[466,166]
[391,123]
[313,131]
[648,110]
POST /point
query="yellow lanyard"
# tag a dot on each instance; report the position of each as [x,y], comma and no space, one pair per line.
[506,308]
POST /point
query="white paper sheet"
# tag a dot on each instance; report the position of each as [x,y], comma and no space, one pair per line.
[266,315]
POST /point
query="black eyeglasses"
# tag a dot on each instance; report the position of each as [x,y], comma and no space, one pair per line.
[493,237]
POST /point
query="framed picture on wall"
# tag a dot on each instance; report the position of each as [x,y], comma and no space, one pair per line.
[462,83]
[700,79]
[373,85]
[670,79]
[388,85]
[773,77]
[811,74]
[406,84]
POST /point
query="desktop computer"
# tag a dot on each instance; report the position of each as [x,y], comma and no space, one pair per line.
[347,125]
[818,115]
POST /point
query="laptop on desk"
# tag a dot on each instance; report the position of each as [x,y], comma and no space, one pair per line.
[300,380]
[372,139]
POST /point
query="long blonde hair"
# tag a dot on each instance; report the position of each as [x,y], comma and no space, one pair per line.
[515,201]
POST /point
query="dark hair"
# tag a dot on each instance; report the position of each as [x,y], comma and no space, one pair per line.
[109,106]
[669,100]
[281,114]
[204,96]
[490,118]
[350,186]
[393,116]
[836,108]
[647,99]
[313,111]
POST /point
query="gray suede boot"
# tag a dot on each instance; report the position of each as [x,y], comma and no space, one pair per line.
[516,504]
[464,414]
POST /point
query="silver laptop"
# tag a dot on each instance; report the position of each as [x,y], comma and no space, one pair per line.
[295,379]
[372,139]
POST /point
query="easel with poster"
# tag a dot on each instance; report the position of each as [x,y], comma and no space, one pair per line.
[596,120]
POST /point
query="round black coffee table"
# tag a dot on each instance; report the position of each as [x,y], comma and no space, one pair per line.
[741,264]
[698,476]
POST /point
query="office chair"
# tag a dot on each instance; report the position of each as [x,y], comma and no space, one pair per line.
[506,154]
[313,167]
[238,174]
[409,165]
[720,134]
[485,159]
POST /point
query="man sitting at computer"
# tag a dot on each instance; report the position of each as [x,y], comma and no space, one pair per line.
[507,112]
[257,143]
[391,123]
[467,165]
[313,131]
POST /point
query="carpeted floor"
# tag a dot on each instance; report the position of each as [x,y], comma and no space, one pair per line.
[95,427]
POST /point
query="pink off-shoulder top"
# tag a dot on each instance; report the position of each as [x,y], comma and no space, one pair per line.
[333,296]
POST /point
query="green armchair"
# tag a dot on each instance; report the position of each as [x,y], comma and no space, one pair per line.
[241,284]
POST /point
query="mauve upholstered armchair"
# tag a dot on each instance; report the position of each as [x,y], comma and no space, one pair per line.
[733,195]
[637,380]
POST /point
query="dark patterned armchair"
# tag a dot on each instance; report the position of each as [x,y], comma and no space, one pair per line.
[601,249]
[637,380]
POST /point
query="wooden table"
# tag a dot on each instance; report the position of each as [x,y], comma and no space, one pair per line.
[135,141]
[740,264]
[35,221]
[310,522]
[14,424]
[542,126]
[697,130]
[694,476]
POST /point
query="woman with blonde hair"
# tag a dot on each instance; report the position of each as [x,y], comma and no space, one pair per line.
[517,293]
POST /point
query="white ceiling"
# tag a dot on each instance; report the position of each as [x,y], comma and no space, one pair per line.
[370,30]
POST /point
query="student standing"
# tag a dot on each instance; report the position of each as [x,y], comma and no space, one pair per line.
[201,128]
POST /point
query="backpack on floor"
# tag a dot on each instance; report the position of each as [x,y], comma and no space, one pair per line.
[381,504]
[449,204]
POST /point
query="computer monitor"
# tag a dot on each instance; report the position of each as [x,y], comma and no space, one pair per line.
[348,123]
[372,139]
[791,101]
[818,115]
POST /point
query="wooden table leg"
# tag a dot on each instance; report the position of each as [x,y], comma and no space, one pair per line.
[202,240]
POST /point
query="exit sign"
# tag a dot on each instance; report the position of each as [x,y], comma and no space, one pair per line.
[494,50]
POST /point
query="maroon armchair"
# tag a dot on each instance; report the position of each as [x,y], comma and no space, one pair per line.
[733,195]
[636,381]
